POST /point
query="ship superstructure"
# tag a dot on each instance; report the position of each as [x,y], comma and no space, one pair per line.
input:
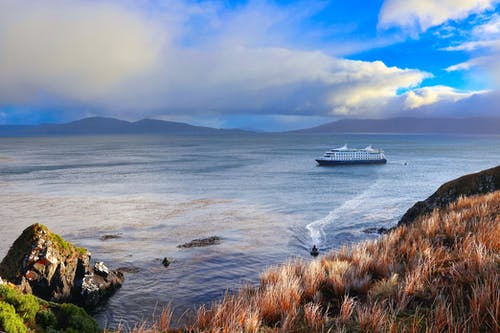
[346,155]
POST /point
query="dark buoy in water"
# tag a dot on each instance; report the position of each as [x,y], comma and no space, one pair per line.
[314,251]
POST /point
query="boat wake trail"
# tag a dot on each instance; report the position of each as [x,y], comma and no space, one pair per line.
[346,209]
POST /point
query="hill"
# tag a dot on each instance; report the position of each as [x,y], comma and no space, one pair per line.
[410,125]
[474,184]
[100,125]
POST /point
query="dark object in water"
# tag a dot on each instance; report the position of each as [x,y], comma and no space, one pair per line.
[214,240]
[166,262]
[375,230]
[314,251]
[111,236]
[128,269]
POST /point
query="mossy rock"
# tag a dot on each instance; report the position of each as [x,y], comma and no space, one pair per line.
[23,245]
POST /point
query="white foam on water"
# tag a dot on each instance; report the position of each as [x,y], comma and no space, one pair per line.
[355,204]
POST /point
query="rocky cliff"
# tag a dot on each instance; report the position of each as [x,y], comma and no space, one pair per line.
[474,184]
[44,264]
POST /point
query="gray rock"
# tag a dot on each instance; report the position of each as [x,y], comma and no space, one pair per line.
[101,269]
[44,264]
[96,288]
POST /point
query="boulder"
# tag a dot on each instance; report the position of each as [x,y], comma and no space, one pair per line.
[101,269]
[474,184]
[44,264]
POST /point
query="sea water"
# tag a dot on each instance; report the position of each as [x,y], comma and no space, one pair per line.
[263,194]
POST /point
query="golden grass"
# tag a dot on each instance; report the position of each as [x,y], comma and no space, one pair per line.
[440,274]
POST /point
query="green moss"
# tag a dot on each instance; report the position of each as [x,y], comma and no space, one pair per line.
[64,246]
[26,305]
[75,319]
[10,322]
[46,319]
[20,312]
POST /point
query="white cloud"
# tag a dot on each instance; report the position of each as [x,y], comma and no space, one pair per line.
[417,16]
[474,62]
[474,45]
[476,104]
[482,36]
[484,39]
[436,94]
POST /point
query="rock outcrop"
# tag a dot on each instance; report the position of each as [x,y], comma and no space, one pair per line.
[474,184]
[44,264]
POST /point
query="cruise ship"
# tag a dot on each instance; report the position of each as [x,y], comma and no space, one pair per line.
[345,155]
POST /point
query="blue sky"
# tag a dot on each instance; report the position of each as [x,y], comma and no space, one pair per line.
[267,65]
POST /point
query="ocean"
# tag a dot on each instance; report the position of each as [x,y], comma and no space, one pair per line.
[263,194]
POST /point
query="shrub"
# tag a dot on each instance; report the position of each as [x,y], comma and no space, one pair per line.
[25,305]
[10,322]
[75,319]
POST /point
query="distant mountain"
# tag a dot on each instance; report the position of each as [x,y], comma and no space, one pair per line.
[100,125]
[410,125]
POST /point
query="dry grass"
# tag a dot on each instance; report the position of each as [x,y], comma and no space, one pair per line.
[439,274]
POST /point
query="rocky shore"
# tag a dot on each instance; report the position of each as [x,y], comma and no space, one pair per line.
[483,182]
[53,271]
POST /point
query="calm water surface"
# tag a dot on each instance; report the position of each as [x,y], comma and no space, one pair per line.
[263,194]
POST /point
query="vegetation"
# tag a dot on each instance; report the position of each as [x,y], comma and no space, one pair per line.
[65,246]
[439,274]
[21,313]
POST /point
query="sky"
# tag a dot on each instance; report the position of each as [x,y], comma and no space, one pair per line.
[262,65]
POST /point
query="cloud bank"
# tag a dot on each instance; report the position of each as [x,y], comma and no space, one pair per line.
[185,60]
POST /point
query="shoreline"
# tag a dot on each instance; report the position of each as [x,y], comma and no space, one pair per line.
[216,249]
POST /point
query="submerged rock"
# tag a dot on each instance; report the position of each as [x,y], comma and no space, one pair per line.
[44,264]
[129,269]
[110,236]
[214,240]
[375,230]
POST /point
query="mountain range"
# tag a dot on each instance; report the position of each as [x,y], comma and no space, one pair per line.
[100,125]
[477,125]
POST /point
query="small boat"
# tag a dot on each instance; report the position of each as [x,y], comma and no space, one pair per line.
[314,251]
[345,155]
